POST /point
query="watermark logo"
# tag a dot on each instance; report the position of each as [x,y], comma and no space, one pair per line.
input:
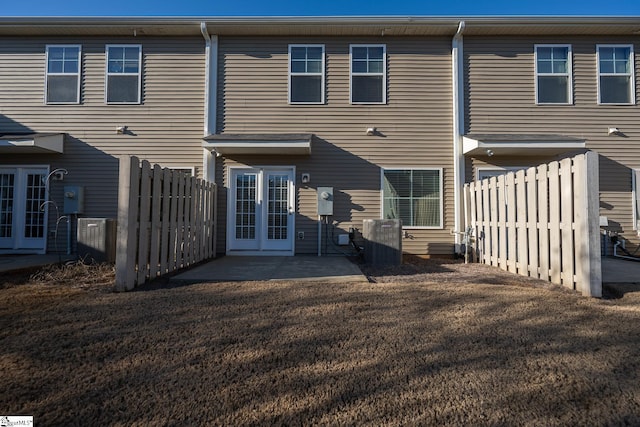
[16,421]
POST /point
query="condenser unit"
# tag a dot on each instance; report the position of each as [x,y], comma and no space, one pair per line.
[97,239]
[382,241]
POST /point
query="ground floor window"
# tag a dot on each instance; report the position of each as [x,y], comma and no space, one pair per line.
[414,196]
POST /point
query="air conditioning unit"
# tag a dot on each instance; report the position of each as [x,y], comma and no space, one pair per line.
[97,239]
[383,241]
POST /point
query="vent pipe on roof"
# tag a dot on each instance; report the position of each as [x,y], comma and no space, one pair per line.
[457,69]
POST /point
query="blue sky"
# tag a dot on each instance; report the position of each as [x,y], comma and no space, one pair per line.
[321,7]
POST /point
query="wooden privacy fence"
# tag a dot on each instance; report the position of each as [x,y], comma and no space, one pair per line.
[542,222]
[166,221]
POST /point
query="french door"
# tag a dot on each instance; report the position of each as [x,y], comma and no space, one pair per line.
[22,221]
[261,211]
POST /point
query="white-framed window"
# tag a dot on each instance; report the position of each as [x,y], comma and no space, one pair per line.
[615,74]
[554,83]
[483,172]
[306,74]
[123,74]
[368,73]
[635,192]
[414,196]
[62,80]
[188,170]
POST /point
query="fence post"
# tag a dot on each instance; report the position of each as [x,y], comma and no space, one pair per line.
[588,269]
[128,184]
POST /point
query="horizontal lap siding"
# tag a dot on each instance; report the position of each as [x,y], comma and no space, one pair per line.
[500,81]
[166,128]
[415,126]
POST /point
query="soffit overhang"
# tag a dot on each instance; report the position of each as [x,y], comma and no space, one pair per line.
[32,143]
[387,26]
[476,145]
[259,144]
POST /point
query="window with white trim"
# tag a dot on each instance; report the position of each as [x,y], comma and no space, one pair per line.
[306,74]
[63,74]
[615,74]
[553,74]
[368,74]
[414,196]
[123,80]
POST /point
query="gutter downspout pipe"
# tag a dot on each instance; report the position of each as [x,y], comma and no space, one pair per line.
[457,69]
[210,99]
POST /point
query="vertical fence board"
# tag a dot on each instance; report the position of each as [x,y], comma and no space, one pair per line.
[522,245]
[486,235]
[566,213]
[543,221]
[145,224]
[166,219]
[511,222]
[532,221]
[493,223]
[173,228]
[592,279]
[156,204]
[502,223]
[555,261]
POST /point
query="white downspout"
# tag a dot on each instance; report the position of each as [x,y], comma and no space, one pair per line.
[457,68]
[210,100]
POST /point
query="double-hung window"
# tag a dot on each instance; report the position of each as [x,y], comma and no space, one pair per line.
[368,74]
[123,80]
[553,74]
[615,74]
[306,74]
[414,196]
[63,74]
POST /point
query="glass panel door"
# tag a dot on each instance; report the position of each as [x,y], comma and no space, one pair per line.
[279,227]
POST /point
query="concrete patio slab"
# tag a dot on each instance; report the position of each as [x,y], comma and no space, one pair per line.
[9,263]
[276,268]
[616,270]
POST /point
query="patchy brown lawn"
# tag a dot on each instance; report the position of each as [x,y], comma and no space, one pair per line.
[426,343]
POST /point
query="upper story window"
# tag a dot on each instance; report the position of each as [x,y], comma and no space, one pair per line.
[123,80]
[306,74]
[368,74]
[553,74]
[414,196]
[615,74]
[63,74]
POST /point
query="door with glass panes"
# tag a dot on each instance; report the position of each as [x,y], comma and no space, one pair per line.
[261,211]
[22,213]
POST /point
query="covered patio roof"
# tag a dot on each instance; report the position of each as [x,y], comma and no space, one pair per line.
[32,143]
[474,145]
[281,144]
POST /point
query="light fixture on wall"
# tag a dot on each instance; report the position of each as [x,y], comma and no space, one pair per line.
[306,178]
[121,129]
[613,131]
[371,131]
[489,152]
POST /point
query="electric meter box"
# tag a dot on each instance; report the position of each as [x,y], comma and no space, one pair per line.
[325,200]
[73,199]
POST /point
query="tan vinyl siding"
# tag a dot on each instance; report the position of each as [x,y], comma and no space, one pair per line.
[166,128]
[415,126]
[501,99]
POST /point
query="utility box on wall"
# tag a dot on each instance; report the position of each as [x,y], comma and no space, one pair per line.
[73,199]
[383,241]
[325,200]
[97,239]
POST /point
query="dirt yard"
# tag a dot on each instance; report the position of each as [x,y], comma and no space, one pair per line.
[429,344]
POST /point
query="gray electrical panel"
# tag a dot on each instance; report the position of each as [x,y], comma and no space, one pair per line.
[97,239]
[382,241]
[73,199]
[325,200]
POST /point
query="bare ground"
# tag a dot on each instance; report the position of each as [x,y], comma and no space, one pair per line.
[426,343]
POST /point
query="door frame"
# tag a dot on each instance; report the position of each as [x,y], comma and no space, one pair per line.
[260,169]
[20,186]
